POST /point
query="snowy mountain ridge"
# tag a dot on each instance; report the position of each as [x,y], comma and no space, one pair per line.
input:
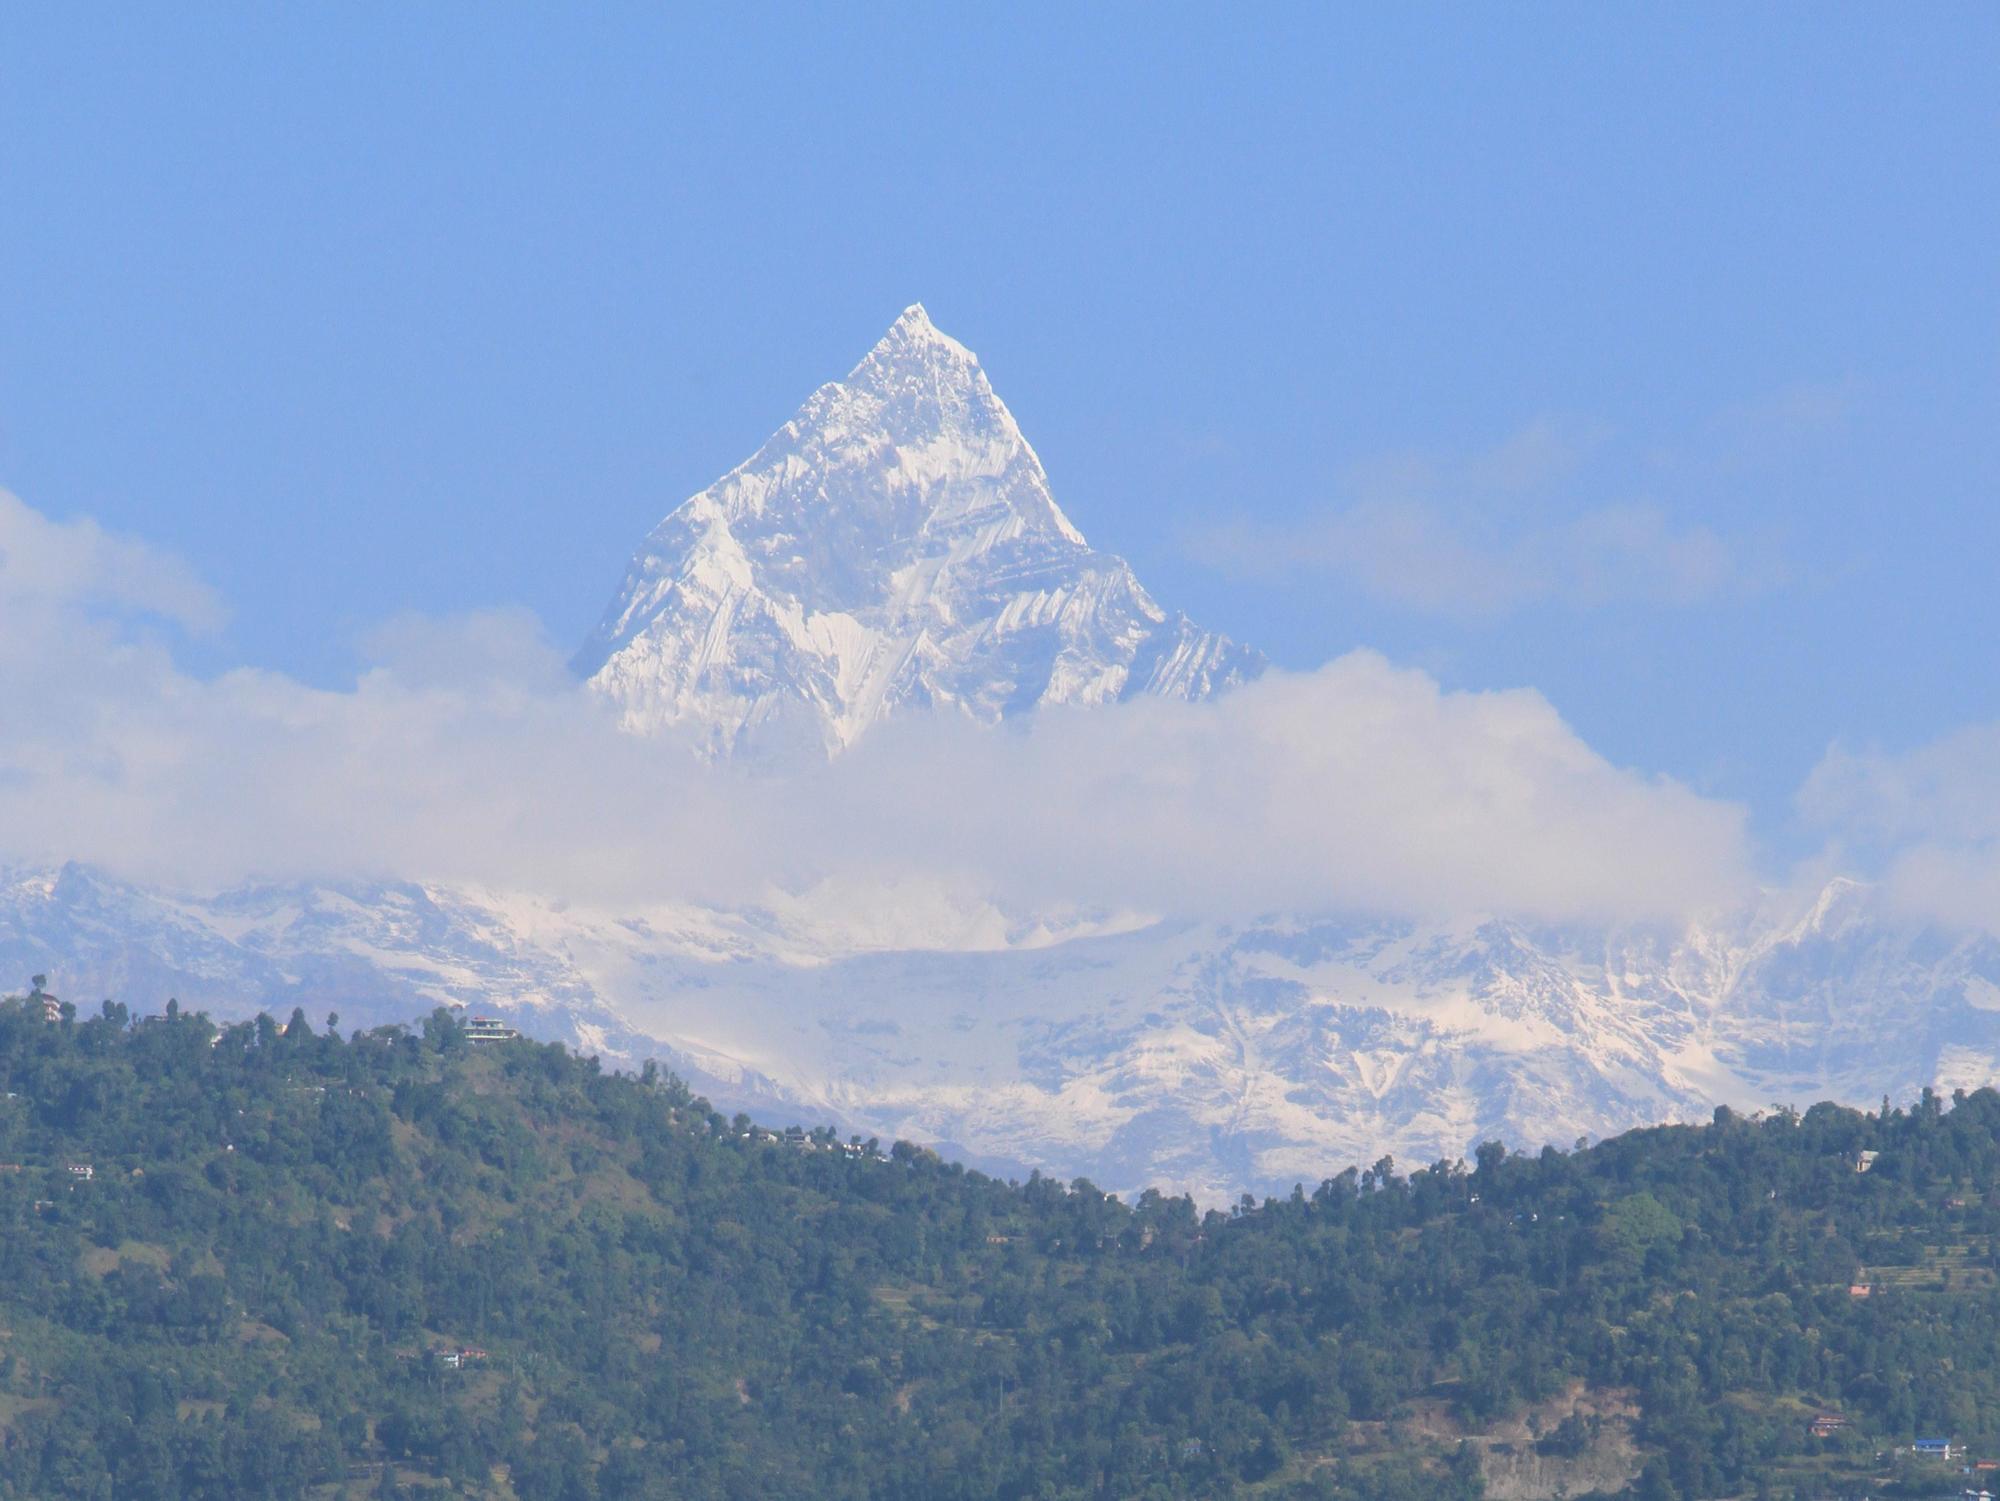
[1213,1058]
[894,546]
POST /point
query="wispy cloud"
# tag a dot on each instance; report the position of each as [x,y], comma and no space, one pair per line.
[1416,555]
[1479,536]
[1926,820]
[77,565]
[1779,425]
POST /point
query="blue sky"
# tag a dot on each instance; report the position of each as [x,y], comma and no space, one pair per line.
[1651,359]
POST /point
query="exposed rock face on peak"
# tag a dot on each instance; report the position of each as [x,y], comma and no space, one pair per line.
[894,546]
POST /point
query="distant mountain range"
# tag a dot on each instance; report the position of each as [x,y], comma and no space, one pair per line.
[894,549]
[1210,1058]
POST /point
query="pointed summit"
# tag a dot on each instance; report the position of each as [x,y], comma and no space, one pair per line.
[894,546]
[923,376]
[913,329]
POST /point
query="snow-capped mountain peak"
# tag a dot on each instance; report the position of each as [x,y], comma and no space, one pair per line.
[916,346]
[894,546]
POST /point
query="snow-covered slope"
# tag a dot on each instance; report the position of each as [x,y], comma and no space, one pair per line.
[893,546]
[1189,1055]
[374,953]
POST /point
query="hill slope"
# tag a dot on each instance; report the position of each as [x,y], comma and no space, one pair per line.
[282,1236]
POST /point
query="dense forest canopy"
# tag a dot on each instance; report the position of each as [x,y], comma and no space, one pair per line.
[270,1261]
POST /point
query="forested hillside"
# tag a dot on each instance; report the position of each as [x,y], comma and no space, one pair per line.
[273,1262]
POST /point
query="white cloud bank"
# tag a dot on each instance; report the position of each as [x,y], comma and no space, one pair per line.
[465,754]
